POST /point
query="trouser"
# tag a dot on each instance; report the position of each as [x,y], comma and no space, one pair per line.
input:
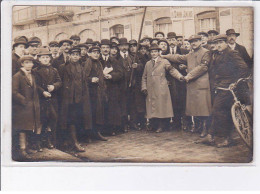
[222,123]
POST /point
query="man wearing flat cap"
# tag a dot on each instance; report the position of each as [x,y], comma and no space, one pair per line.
[113,75]
[75,39]
[155,88]
[19,46]
[33,44]
[198,100]
[212,33]
[65,45]
[54,47]
[114,39]
[204,39]
[179,40]
[228,68]
[159,35]
[231,38]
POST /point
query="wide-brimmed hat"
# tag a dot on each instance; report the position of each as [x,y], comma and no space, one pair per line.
[43,51]
[105,42]
[132,42]
[220,37]
[94,48]
[123,41]
[232,31]
[171,35]
[75,37]
[194,37]
[34,40]
[20,40]
[65,40]
[203,33]
[89,41]
[75,49]
[26,57]
[54,43]
[213,31]
[83,45]
[156,33]
[154,47]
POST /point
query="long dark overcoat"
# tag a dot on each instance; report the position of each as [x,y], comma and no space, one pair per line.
[26,106]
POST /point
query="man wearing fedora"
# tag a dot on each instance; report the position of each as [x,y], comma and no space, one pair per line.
[155,88]
[19,46]
[113,75]
[228,68]
[231,38]
[198,100]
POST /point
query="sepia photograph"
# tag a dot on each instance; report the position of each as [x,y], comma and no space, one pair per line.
[132,84]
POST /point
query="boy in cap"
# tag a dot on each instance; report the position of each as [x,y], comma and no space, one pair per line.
[75,111]
[19,46]
[155,87]
[26,106]
[48,82]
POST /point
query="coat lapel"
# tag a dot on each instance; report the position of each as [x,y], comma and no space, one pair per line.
[26,79]
[157,63]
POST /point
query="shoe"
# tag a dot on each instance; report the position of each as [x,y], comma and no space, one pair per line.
[38,147]
[204,130]
[225,143]
[206,140]
[31,151]
[79,148]
[159,130]
[100,137]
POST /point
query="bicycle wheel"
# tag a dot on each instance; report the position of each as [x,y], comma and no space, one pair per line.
[242,125]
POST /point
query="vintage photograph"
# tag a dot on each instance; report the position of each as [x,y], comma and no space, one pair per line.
[124,84]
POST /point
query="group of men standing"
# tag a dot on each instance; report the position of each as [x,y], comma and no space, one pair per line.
[96,89]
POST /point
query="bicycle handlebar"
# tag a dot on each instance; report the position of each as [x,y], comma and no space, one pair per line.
[234,84]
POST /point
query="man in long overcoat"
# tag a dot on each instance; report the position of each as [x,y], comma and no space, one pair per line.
[155,87]
[198,101]
[113,76]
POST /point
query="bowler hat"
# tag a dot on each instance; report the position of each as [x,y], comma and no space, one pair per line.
[123,41]
[154,47]
[105,42]
[83,45]
[132,42]
[171,35]
[74,49]
[74,37]
[220,37]
[43,51]
[26,57]
[89,41]
[194,37]
[65,40]
[34,40]
[232,31]
[156,33]
[203,33]
[213,31]
[20,40]
[94,48]
[53,44]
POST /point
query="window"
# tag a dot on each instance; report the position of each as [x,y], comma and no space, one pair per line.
[207,24]
[163,25]
[87,33]
[117,30]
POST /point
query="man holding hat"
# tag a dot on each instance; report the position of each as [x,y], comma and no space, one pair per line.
[65,46]
[54,47]
[19,46]
[228,68]
[155,88]
[75,39]
[231,38]
[113,75]
[198,100]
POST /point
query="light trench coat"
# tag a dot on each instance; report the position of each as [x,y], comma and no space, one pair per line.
[158,100]
[198,101]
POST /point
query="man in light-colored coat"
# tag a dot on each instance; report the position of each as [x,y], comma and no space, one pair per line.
[155,87]
[198,101]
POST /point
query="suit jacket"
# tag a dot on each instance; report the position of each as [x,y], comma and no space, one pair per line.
[244,54]
[16,65]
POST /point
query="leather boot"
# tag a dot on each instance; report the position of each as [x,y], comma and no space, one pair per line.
[75,143]
[204,129]
[49,143]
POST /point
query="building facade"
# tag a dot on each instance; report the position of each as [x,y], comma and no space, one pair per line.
[59,22]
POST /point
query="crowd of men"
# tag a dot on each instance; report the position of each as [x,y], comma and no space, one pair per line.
[78,90]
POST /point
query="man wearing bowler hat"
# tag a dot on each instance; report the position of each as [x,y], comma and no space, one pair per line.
[198,100]
[231,38]
[19,46]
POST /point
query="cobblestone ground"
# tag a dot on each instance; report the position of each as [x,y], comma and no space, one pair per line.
[145,146]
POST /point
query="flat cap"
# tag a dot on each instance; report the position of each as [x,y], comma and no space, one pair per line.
[65,40]
[203,33]
[26,57]
[179,36]
[132,42]
[43,51]
[194,37]
[220,37]
[89,41]
[75,49]
[156,33]
[54,43]
[34,40]
[75,37]
[83,45]
[213,32]
[114,38]
[94,48]
[163,40]
[96,43]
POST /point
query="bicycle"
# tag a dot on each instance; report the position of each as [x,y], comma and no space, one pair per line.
[242,115]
